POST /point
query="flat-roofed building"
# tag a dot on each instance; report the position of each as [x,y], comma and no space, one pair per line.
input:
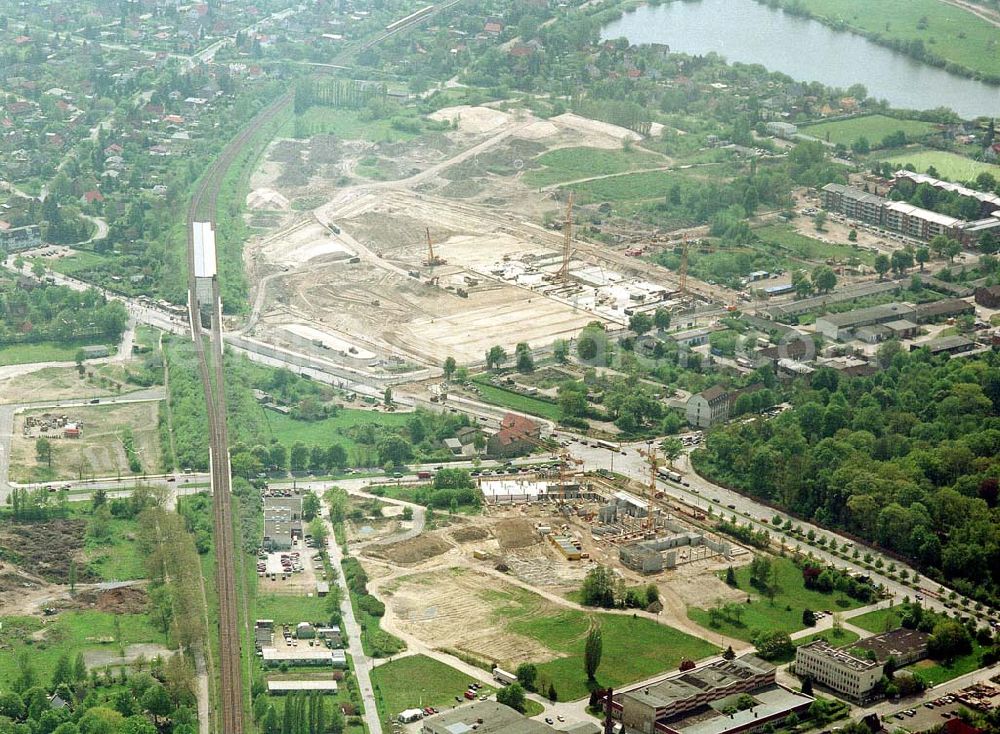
[483,717]
[274,656]
[772,706]
[838,670]
[840,326]
[946,345]
[642,709]
[282,522]
[905,646]
[283,687]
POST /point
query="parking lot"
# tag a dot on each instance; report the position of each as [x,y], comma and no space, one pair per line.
[934,712]
[291,571]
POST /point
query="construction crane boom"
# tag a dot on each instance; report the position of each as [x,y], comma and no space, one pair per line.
[683,270]
[432,259]
[563,273]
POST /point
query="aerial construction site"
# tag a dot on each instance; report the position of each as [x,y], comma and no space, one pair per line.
[396,267]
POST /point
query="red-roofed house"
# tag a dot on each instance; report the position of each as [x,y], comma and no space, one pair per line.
[113,149]
[517,436]
[91,196]
[21,40]
[493,26]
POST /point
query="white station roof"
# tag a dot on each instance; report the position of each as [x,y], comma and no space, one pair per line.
[204,250]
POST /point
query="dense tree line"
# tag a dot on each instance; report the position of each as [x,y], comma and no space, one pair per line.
[126,701]
[906,458]
[43,312]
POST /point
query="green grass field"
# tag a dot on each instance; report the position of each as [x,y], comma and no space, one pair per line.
[415,681]
[73,264]
[951,33]
[292,608]
[68,633]
[648,185]
[798,245]
[948,165]
[346,124]
[523,403]
[569,164]
[871,127]
[40,352]
[784,613]
[118,559]
[634,648]
[287,430]
[878,621]
[935,672]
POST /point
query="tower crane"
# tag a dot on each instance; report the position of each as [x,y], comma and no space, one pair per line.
[683,270]
[563,273]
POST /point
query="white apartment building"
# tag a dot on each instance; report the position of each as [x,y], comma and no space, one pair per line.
[838,670]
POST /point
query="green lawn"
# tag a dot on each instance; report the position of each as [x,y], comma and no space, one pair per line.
[648,185]
[878,621]
[67,633]
[330,430]
[80,260]
[633,648]
[415,681]
[935,672]
[515,401]
[787,240]
[346,124]
[949,165]
[292,608]
[118,559]
[784,613]
[569,164]
[40,352]
[951,33]
[871,127]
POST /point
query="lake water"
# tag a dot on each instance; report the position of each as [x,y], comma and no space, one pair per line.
[804,49]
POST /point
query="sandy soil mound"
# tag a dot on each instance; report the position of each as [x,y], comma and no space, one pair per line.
[474,120]
[516,533]
[538,130]
[409,552]
[586,125]
[469,534]
[266,199]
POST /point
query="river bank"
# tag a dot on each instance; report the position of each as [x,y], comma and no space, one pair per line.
[932,32]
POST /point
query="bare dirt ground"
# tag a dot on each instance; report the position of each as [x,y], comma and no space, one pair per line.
[122,600]
[410,552]
[99,451]
[60,383]
[458,608]
[465,186]
[46,548]
[110,656]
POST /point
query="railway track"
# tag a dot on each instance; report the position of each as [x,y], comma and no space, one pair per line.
[231,718]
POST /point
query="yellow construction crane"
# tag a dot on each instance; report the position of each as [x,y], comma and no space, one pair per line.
[563,273]
[432,259]
[683,270]
[654,465]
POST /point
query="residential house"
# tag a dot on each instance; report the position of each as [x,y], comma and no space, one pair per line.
[709,407]
[517,436]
